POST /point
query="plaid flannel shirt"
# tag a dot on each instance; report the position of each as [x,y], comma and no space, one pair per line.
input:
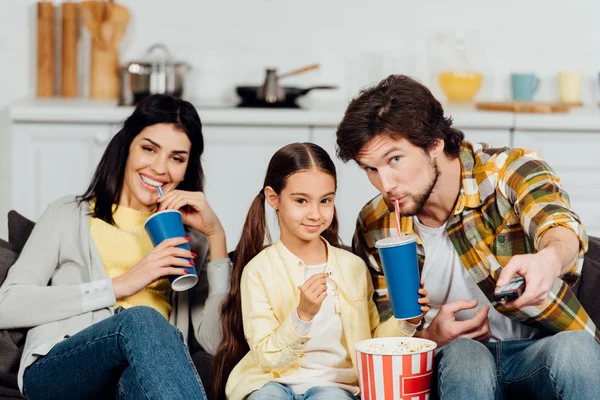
[508,199]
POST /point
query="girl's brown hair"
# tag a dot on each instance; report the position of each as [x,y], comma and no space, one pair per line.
[293,158]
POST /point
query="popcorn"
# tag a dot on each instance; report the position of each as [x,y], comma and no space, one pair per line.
[397,348]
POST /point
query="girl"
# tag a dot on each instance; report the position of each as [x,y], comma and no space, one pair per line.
[93,289]
[297,308]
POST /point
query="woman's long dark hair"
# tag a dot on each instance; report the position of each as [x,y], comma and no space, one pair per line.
[293,158]
[107,182]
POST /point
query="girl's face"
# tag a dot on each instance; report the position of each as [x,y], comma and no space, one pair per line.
[305,205]
[158,157]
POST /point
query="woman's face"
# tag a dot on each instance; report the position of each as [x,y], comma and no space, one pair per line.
[158,157]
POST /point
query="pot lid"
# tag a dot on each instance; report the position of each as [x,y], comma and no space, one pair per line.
[157,58]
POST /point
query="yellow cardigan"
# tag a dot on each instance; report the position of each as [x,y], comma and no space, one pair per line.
[270,293]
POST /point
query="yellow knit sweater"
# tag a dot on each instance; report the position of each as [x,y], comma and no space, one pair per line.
[121,247]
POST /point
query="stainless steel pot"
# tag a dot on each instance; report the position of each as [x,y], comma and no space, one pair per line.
[158,74]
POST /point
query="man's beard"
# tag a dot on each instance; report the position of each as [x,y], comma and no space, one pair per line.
[421,198]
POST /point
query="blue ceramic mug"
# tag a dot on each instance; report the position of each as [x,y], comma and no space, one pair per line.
[524,86]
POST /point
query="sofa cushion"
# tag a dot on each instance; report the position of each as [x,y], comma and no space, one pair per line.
[589,283]
[11,346]
[7,259]
[5,245]
[11,341]
[19,229]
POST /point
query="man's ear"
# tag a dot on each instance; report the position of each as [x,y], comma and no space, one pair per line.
[272,198]
[437,149]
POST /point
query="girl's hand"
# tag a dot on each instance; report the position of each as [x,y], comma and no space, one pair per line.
[312,294]
[198,214]
[424,301]
[157,264]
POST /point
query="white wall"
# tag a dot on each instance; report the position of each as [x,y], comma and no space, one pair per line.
[229,42]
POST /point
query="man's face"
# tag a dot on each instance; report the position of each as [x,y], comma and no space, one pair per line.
[399,170]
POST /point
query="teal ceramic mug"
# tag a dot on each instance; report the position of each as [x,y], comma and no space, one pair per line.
[524,86]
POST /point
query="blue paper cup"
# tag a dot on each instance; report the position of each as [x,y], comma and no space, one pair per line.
[401,270]
[168,224]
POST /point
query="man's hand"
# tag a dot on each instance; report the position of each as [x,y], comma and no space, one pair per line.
[558,254]
[445,328]
[540,270]
[424,302]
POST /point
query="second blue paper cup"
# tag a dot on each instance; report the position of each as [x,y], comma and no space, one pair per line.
[168,224]
[401,270]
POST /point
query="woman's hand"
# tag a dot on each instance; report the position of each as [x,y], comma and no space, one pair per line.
[424,301]
[312,294]
[198,214]
[159,263]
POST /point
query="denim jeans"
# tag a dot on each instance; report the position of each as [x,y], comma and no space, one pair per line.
[562,366]
[277,391]
[135,354]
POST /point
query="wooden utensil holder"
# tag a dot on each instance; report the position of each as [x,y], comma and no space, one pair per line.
[45,49]
[70,36]
[104,76]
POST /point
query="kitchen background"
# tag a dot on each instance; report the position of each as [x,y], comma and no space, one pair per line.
[230,42]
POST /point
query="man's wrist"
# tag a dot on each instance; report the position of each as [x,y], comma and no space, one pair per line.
[423,334]
[560,247]
[551,258]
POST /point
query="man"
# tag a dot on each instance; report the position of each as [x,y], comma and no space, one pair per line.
[481,216]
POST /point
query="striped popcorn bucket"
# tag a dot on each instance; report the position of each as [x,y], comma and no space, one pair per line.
[386,370]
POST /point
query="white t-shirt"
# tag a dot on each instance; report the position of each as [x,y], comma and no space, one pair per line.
[326,361]
[447,280]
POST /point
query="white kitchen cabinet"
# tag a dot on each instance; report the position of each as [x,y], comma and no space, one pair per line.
[574,157]
[51,160]
[354,189]
[235,162]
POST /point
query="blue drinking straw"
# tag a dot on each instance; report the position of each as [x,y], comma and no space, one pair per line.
[160,193]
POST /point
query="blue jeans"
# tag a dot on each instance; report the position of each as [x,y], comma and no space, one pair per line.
[562,366]
[277,391]
[135,354]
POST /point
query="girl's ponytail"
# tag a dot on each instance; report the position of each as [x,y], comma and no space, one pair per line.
[234,347]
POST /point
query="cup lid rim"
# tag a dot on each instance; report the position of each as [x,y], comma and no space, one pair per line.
[395,240]
[160,212]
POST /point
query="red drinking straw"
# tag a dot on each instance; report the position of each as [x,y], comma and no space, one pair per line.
[397,207]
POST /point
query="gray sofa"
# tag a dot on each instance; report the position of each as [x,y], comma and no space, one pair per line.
[11,341]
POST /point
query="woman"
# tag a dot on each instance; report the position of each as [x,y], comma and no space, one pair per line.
[92,288]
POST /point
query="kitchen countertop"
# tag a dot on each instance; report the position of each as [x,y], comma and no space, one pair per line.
[585,118]
[212,113]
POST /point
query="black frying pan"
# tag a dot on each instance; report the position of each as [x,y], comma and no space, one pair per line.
[248,96]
